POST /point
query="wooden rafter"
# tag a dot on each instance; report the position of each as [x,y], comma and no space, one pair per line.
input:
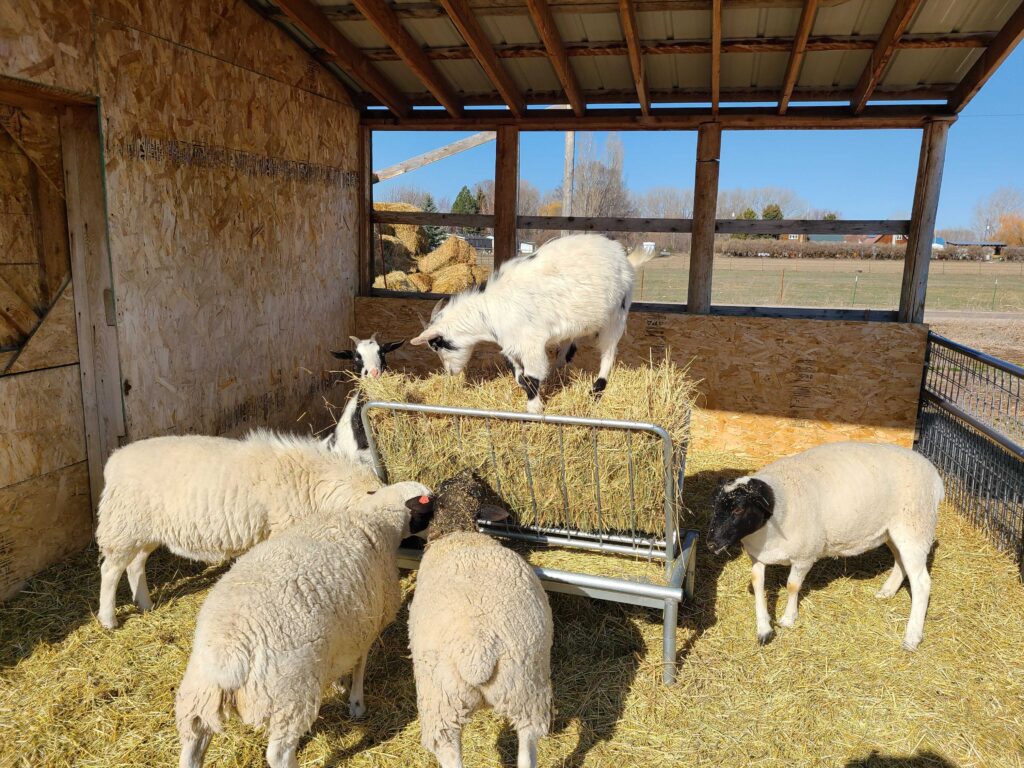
[547,30]
[796,55]
[315,24]
[386,21]
[1002,45]
[627,15]
[716,54]
[433,156]
[888,42]
[465,21]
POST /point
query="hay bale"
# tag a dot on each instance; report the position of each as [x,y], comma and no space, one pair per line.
[525,463]
[480,274]
[395,255]
[396,281]
[453,278]
[421,281]
[412,236]
[454,250]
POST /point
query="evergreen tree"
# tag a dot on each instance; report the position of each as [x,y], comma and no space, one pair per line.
[465,202]
[772,212]
[748,214]
[435,234]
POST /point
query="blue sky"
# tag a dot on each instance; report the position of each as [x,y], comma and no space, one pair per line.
[862,174]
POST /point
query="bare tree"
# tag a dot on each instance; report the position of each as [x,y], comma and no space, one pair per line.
[1005,201]
[957,235]
[667,203]
[407,194]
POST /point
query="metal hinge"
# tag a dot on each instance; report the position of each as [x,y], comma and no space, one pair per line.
[108,306]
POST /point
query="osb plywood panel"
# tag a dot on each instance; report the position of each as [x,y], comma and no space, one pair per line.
[229,30]
[232,210]
[48,42]
[770,387]
[15,184]
[24,280]
[55,341]
[37,135]
[17,237]
[41,422]
[42,520]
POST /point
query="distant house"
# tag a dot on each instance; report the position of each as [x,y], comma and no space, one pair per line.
[814,238]
[876,239]
[997,248]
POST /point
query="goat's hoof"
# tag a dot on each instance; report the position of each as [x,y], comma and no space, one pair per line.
[910,644]
[766,637]
[598,387]
[356,709]
[144,606]
[535,407]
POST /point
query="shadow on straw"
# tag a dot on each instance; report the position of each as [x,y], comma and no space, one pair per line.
[920,760]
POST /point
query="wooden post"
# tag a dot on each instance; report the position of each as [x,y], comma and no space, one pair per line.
[94,291]
[705,206]
[506,194]
[568,174]
[922,222]
[365,211]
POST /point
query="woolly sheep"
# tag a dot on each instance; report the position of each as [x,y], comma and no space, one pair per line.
[368,359]
[571,288]
[480,629]
[836,500]
[291,616]
[210,499]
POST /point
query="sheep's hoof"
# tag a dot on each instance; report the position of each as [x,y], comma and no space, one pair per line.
[885,594]
[107,622]
[787,622]
[356,709]
[766,637]
[144,606]
[911,645]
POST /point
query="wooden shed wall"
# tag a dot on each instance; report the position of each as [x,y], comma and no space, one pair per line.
[770,387]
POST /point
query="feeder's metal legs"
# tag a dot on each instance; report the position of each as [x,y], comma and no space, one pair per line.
[668,674]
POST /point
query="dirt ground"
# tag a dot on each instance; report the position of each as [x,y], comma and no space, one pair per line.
[1000,334]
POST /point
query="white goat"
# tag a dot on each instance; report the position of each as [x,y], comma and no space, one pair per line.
[835,500]
[571,288]
[368,359]
[210,499]
[293,615]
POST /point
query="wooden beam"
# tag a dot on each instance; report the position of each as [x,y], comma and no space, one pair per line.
[433,156]
[506,194]
[52,229]
[813,227]
[467,220]
[1001,47]
[672,119]
[365,210]
[16,311]
[696,47]
[705,204]
[568,173]
[547,30]
[386,21]
[716,54]
[45,98]
[796,56]
[464,19]
[888,41]
[100,364]
[631,32]
[922,223]
[311,19]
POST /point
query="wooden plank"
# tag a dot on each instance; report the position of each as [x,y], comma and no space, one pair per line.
[814,227]
[473,220]
[995,54]
[365,210]
[45,98]
[465,21]
[54,341]
[409,51]
[631,32]
[796,56]
[547,30]
[568,173]
[603,224]
[42,521]
[90,271]
[51,219]
[16,311]
[899,18]
[433,156]
[716,54]
[696,47]
[308,16]
[506,195]
[883,117]
[705,202]
[922,223]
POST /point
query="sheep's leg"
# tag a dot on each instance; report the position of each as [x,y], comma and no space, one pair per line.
[193,747]
[527,748]
[764,622]
[448,748]
[281,752]
[356,703]
[895,581]
[915,562]
[797,573]
[137,580]
[607,345]
[113,565]
[566,352]
[535,370]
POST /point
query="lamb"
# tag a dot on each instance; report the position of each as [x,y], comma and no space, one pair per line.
[291,616]
[368,359]
[210,499]
[835,500]
[480,628]
[571,288]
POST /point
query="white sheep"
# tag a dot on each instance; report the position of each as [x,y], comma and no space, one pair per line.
[480,629]
[368,359]
[835,500]
[293,615]
[210,499]
[571,288]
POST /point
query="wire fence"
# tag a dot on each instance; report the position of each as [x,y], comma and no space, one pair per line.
[971,427]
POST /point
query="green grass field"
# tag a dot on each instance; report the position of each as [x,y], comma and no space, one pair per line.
[975,286]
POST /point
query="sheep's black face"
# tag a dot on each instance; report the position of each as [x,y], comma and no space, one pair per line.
[421,512]
[741,507]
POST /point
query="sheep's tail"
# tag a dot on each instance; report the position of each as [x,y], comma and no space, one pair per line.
[224,663]
[478,657]
[639,257]
[201,705]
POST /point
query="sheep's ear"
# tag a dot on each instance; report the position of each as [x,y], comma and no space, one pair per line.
[438,307]
[345,354]
[424,337]
[391,346]
[489,513]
